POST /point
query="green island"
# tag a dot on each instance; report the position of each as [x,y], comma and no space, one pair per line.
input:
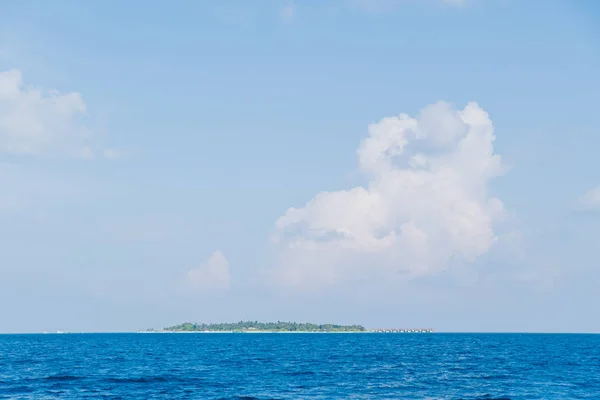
[255,326]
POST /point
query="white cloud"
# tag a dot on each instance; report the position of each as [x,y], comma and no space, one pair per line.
[590,200]
[455,2]
[374,5]
[85,152]
[213,275]
[35,121]
[389,5]
[288,12]
[425,205]
[112,153]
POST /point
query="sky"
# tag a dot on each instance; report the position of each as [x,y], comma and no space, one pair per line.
[391,163]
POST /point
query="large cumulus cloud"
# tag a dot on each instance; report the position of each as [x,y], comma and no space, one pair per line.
[425,204]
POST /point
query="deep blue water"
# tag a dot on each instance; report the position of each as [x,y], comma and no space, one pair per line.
[300,366]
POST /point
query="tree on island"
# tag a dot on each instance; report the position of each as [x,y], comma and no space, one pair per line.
[256,326]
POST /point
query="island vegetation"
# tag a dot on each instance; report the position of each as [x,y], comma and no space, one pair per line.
[255,326]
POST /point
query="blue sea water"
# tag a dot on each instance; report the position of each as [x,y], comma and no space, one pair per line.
[300,366]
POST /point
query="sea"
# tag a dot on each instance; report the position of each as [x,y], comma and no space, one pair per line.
[300,366]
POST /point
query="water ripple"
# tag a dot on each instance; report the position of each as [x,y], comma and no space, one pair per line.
[330,366]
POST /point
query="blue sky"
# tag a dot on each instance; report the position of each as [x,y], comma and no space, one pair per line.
[215,161]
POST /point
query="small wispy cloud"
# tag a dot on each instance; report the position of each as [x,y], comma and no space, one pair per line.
[288,12]
[454,2]
[112,153]
[85,153]
[589,201]
[389,5]
[211,276]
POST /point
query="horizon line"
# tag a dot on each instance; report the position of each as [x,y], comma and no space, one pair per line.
[368,331]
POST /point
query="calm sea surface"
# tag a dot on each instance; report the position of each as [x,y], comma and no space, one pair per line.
[300,366]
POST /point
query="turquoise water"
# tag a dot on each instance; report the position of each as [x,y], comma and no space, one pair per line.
[300,366]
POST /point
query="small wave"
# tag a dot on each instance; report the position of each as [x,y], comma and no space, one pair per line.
[18,390]
[240,398]
[246,398]
[495,377]
[489,397]
[299,373]
[62,378]
[142,379]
